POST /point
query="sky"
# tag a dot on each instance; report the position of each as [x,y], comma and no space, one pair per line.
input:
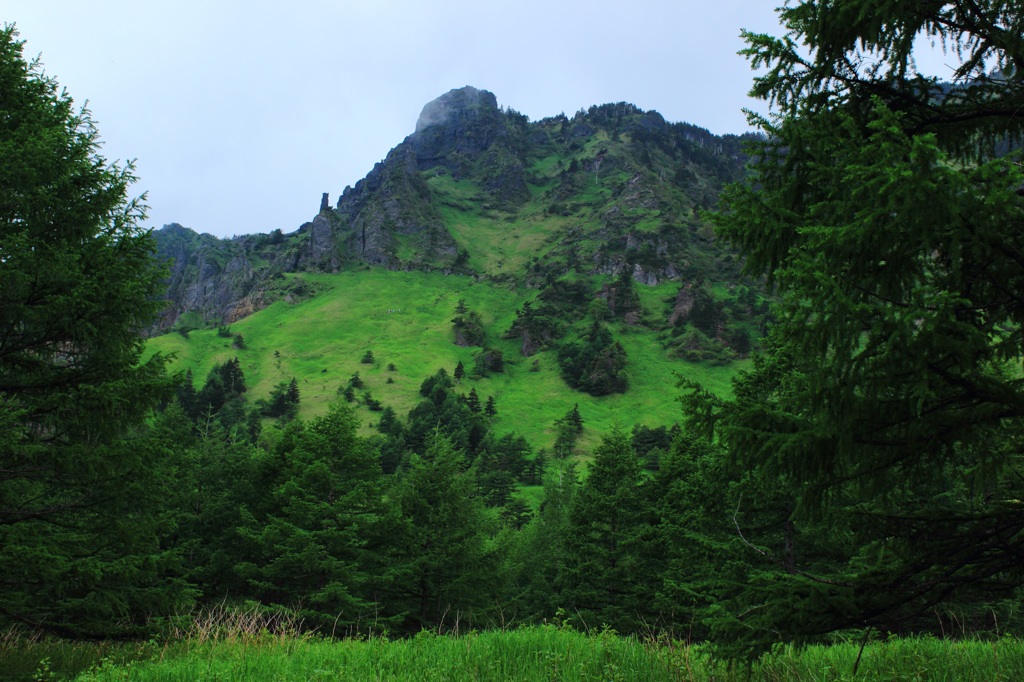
[239,115]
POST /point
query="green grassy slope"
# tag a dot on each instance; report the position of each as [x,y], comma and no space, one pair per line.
[405,319]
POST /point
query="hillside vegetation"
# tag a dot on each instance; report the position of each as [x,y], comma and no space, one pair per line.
[405,319]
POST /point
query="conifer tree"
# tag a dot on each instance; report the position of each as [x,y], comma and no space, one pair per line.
[80,497]
[213,483]
[293,392]
[185,391]
[538,559]
[312,546]
[885,207]
[473,400]
[605,578]
[441,567]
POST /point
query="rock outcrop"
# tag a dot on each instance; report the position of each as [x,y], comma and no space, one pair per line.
[210,277]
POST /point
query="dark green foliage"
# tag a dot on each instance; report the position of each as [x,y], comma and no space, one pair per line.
[538,560]
[533,472]
[693,544]
[879,434]
[460,372]
[706,315]
[738,339]
[491,408]
[569,429]
[372,403]
[559,305]
[650,444]
[693,345]
[81,495]
[622,299]
[605,579]
[293,392]
[516,513]
[473,401]
[367,358]
[595,364]
[572,420]
[212,484]
[440,568]
[489,360]
[224,384]
[185,393]
[284,400]
[311,547]
[448,411]
[439,380]
[501,463]
[469,329]
[388,423]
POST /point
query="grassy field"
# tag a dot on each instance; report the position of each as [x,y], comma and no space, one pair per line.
[404,318]
[534,653]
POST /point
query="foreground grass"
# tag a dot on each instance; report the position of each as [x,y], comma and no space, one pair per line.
[536,653]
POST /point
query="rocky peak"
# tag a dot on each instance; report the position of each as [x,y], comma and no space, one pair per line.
[455,105]
[456,128]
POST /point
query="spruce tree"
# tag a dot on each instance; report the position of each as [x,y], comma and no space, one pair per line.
[538,559]
[292,394]
[605,578]
[441,568]
[80,494]
[312,545]
[473,401]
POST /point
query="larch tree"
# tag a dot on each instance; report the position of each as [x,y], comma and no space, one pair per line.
[79,537]
[887,209]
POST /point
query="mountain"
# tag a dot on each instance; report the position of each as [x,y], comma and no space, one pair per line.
[480,190]
[551,267]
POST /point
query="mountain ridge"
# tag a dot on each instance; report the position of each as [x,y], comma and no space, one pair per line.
[480,190]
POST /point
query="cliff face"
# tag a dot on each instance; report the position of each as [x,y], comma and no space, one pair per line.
[613,187]
[210,277]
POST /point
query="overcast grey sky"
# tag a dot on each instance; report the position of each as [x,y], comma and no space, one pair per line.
[240,114]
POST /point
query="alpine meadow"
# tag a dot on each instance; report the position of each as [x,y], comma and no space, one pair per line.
[590,397]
